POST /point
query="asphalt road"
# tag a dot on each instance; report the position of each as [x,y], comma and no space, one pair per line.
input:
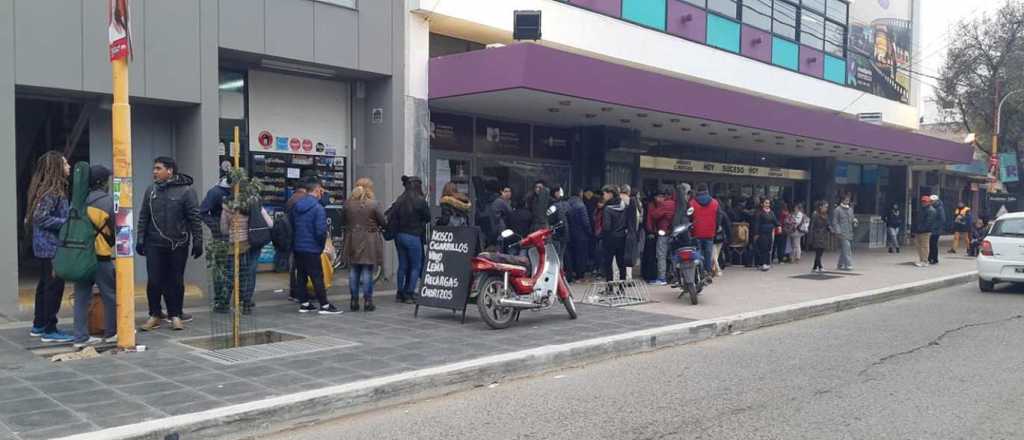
[944,365]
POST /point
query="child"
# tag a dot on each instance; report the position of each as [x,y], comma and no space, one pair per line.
[978,232]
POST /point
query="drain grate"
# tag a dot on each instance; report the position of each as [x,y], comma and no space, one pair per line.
[252,353]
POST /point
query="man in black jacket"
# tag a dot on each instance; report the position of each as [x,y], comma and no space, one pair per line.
[613,232]
[538,203]
[168,223]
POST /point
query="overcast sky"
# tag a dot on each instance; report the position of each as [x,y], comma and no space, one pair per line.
[937,18]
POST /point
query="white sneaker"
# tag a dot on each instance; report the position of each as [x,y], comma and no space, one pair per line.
[110,340]
[91,341]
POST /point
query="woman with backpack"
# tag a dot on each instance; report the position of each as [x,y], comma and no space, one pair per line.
[796,226]
[239,224]
[46,210]
[363,248]
[455,207]
[407,219]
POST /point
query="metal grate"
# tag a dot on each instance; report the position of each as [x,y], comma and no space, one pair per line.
[251,353]
[617,293]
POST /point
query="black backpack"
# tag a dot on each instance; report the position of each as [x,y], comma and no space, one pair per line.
[259,230]
[281,233]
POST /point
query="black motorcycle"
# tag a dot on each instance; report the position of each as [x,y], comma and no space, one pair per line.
[687,261]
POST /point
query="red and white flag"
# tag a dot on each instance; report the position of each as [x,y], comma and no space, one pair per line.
[119,30]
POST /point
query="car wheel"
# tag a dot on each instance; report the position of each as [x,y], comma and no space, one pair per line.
[986,286]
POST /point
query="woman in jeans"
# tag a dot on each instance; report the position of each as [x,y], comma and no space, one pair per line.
[819,230]
[46,211]
[765,225]
[410,215]
[364,248]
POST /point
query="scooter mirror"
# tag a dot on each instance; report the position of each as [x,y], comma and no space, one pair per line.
[689,211]
[507,233]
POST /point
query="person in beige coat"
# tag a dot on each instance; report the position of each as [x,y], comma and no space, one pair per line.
[364,247]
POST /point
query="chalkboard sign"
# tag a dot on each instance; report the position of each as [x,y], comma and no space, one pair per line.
[447,275]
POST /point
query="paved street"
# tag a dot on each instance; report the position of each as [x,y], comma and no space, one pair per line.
[940,365]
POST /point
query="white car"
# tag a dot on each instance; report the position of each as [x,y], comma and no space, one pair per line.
[1001,256]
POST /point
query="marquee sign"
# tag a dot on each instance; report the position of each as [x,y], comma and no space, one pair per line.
[697,166]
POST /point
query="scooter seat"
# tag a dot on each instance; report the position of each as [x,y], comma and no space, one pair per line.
[506,259]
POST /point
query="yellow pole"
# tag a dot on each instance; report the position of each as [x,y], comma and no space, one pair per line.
[235,290]
[122,155]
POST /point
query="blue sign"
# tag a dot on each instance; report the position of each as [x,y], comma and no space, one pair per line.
[1008,168]
[282,143]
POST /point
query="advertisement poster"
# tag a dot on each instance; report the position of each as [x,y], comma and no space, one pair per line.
[447,275]
[506,138]
[879,58]
[1008,168]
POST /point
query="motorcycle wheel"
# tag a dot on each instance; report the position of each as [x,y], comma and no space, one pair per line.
[692,289]
[495,315]
[570,306]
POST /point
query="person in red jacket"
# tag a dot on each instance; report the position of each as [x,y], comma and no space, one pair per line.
[659,222]
[705,223]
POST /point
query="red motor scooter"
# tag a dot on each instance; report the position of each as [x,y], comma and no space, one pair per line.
[506,284]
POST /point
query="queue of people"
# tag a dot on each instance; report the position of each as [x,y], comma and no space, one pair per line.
[603,232]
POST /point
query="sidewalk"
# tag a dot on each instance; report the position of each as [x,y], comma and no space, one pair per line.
[742,289]
[40,399]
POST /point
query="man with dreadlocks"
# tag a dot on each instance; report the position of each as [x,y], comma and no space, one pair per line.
[45,212]
[168,221]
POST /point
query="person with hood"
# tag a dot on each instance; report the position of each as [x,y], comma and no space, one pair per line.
[500,214]
[309,231]
[168,223]
[820,230]
[633,216]
[924,222]
[705,223]
[893,224]
[561,216]
[765,224]
[99,208]
[410,216]
[46,212]
[299,194]
[581,235]
[364,248]
[538,203]
[961,227]
[455,206]
[614,230]
[938,226]
[843,224]
[210,211]
[482,213]
[659,224]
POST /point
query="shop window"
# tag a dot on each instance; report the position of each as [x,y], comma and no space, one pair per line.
[812,29]
[784,19]
[837,11]
[835,36]
[723,33]
[814,5]
[758,13]
[726,8]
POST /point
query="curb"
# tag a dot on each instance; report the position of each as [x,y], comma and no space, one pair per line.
[251,420]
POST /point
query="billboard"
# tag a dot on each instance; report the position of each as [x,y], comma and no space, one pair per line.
[879,57]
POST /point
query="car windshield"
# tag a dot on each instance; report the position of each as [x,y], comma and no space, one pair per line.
[1013,227]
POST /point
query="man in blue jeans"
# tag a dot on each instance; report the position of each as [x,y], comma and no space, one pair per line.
[309,226]
[705,223]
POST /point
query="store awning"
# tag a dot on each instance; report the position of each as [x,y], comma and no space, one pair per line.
[539,84]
